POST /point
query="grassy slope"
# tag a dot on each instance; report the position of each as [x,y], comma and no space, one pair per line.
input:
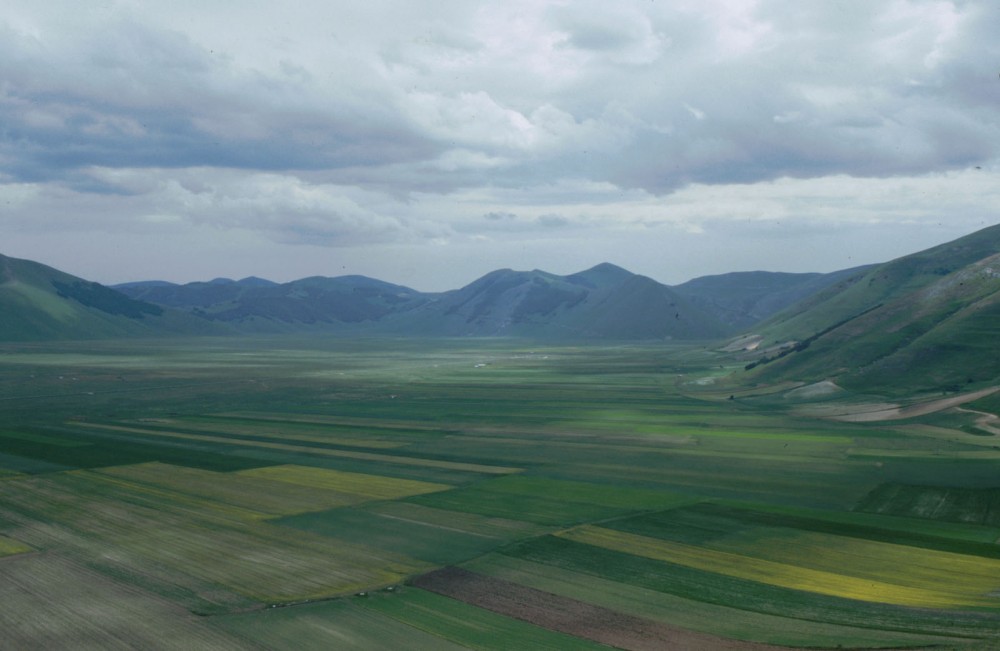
[884,283]
[40,303]
[925,321]
[743,299]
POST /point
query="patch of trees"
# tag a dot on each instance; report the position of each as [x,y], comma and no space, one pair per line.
[106,300]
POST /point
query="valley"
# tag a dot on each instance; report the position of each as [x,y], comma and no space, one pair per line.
[754,460]
[295,492]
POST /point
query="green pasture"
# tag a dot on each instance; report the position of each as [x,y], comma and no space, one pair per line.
[467,625]
[437,544]
[321,626]
[950,504]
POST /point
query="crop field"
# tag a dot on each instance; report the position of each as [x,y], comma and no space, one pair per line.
[375,493]
[856,572]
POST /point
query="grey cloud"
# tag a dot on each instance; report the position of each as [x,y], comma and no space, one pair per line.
[140,97]
[334,230]
[498,223]
[551,220]
[644,95]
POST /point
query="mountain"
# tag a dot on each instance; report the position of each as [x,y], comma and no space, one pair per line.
[262,306]
[604,302]
[39,303]
[929,320]
[745,298]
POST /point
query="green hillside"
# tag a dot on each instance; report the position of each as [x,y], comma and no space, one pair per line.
[41,303]
[923,321]
[744,298]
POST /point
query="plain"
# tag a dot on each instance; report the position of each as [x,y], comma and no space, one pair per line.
[365,492]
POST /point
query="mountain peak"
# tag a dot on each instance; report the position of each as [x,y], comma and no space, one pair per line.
[254,281]
[604,273]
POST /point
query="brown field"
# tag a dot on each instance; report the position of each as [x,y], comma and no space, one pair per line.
[573,617]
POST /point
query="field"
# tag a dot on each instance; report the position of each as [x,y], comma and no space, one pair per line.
[373,493]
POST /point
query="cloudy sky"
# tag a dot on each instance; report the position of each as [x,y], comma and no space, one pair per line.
[427,143]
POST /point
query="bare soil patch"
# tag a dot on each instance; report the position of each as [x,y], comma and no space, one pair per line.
[865,415]
[986,420]
[573,617]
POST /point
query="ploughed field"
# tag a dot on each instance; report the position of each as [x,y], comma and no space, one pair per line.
[367,493]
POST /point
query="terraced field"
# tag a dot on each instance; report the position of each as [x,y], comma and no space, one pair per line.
[372,494]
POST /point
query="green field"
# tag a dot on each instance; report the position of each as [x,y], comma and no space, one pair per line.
[291,493]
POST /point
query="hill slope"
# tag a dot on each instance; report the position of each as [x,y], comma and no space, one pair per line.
[745,298]
[929,320]
[39,303]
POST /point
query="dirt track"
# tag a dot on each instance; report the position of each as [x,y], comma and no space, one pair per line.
[574,617]
[985,421]
[912,411]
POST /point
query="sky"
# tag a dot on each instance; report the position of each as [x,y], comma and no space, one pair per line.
[428,143]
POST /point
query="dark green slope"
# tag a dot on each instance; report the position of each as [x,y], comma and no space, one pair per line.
[39,303]
[924,321]
[742,299]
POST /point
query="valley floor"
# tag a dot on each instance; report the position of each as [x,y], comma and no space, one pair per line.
[366,493]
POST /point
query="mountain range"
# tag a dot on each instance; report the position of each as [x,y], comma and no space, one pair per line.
[931,316]
[603,302]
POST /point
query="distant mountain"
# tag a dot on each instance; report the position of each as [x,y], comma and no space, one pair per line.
[257,305]
[928,320]
[40,303]
[143,284]
[742,299]
[605,302]
[931,316]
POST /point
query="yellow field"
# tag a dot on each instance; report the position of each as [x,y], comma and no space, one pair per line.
[370,486]
[9,546]
[902,565]
[787,575]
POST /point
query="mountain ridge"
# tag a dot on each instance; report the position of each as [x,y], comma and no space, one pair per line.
[603,302]
[798,320]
